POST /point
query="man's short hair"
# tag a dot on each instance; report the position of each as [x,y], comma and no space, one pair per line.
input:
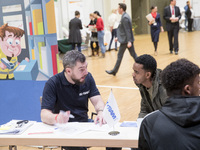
[16,31]
[77,13]
[71,58]
[122,6]
[148,62]
[178,74]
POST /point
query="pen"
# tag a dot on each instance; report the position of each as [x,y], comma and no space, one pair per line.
[40,133]
[71,116]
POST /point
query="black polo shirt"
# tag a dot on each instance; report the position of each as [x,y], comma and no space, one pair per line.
[59,94]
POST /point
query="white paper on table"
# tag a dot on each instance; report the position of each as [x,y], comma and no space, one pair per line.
[74,128]
[12,127]
[97,127]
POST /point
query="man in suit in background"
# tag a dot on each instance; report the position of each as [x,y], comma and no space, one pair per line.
[172,16]
[124,36]
[74,31]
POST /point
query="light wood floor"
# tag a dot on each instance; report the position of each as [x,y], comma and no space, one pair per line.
[129,99]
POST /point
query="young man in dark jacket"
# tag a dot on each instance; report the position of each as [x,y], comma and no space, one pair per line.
[177,124]
[147,77]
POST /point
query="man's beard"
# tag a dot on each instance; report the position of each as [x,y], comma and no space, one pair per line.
[77,81]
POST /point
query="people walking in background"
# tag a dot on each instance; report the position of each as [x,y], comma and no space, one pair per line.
[125,37]
[113,24]
[100,31]
[156,26]
[94,44]
[186,18]
[190,15]
[74,31]
[172,16]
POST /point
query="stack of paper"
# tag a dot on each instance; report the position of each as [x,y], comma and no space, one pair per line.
[15,127]
[149,17]
[74,128]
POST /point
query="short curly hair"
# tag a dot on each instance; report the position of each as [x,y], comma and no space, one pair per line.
[178,74]
[149,63]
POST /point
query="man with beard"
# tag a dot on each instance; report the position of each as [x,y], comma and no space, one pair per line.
[147,77]
[68,92]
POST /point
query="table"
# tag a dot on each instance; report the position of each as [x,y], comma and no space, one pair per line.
[128,137]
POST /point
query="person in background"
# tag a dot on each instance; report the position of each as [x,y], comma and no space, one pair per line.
[100,31]
[172,16]
[186,18]
[125,37]
[94,44]
[156,27]
[113,24]
[190,15]
[147,77]
[176,126]
[74,31]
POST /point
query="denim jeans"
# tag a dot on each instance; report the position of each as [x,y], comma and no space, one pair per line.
[114,35]
[101,41]
[78,46]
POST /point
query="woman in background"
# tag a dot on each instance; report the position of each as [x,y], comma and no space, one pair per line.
[156,26]
[94,44]
[100,31]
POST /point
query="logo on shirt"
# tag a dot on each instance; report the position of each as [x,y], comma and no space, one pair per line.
[84,93]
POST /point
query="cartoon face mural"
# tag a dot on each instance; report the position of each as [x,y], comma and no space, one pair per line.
[10,48]
[10,45]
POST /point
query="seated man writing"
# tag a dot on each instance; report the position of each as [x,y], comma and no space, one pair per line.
[69,91]
[177,124]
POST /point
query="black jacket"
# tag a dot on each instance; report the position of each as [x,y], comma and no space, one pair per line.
[175,127]
[74,30]
[167,15]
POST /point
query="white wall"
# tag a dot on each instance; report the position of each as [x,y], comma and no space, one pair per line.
[196,7]
[181,3]
[194,3]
